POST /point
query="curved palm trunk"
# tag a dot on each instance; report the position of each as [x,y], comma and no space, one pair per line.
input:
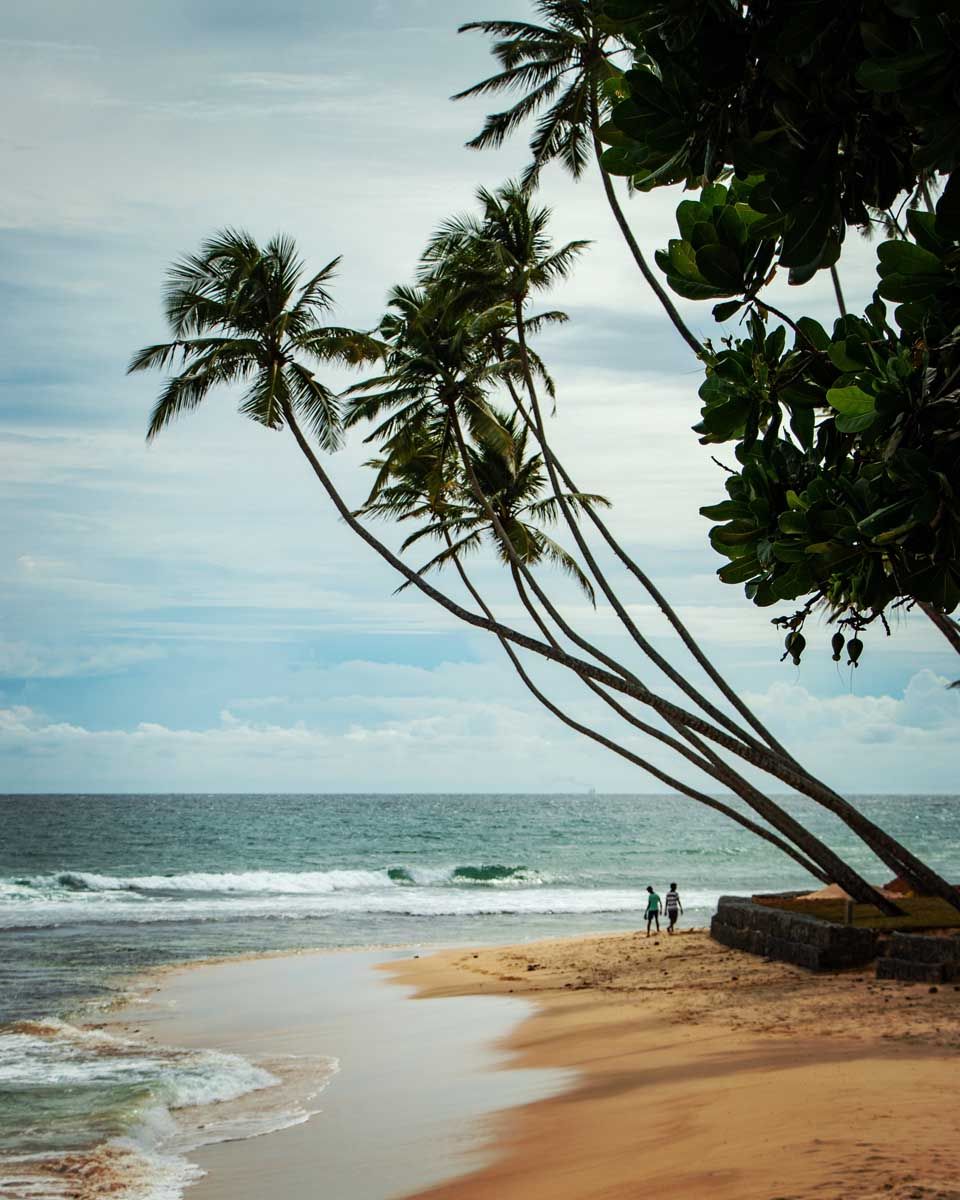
[830,863]
[594,735]
[670,712]
[653,592]
[838,291]
[945,623]
[896,856]
[658,290]
[539,431]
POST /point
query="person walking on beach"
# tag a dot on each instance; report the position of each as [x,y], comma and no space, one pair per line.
[653,909]
[673,908]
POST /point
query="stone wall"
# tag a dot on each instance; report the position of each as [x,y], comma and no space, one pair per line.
[921,958]
[791,937]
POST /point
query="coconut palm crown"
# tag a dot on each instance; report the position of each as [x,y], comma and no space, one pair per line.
[562,65]
[559,65]
[512,483]
[241,314]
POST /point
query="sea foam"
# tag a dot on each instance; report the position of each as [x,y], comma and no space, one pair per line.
[129,1112]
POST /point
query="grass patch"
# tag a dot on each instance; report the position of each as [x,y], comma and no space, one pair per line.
[920,912]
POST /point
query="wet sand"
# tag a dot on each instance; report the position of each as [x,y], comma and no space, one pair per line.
[407,1106]
[706,1074]
[668,1067]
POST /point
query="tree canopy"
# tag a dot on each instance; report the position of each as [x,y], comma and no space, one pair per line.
[826,429]
[795,120]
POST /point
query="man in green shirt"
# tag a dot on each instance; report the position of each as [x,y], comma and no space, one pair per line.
[653,909]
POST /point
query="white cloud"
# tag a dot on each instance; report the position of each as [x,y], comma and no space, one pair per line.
[216,539]
[21,661]
[472,740]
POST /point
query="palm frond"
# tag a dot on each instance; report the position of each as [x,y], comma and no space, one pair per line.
[466,545]
[523,75]
[180,395]
[314,297]
[264,400]
[339,344]
[554,553]
[549,509]
[318,405]
[498,126]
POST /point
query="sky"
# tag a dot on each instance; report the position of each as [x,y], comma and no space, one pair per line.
[192,616]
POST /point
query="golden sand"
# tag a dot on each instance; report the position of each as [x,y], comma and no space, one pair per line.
[707,1074]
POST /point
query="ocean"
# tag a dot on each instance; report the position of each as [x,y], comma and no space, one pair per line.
[94,889]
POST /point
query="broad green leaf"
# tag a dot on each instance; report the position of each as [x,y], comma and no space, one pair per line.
[855,423]
[713,195]
[885,518]
[736,533]
[692,289]
[730,227]
[793,521]
[905,258]
[851,401]
[724,511]
[689,213]
[789,552]
[620,160]
[842,355]
[740,570]
[795,582]
[807,233]
[911,287]
[723,312]
[683,259]
[922,226]
[814,332]
[802,422]
[704,233]
[720,266]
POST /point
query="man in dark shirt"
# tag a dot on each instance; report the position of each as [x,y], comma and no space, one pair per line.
[672,907]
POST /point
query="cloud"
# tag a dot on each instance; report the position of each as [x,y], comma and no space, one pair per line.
[871,743]
[179,581]
[473,740]
[21,661]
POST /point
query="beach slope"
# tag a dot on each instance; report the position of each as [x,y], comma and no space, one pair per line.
[707,1074]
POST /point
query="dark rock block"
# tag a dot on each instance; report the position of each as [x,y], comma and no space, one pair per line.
[913,972]
[790,937]
[919,947]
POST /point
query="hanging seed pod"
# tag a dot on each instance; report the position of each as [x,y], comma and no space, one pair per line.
[796,647]
[854,649]
[837,643]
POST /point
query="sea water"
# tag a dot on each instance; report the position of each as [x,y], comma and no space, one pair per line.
[96,888]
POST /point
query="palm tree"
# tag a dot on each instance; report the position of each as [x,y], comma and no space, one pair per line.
[438,361]
[239,314]
[509,248]
[429,486]
[561,66]
[426,485]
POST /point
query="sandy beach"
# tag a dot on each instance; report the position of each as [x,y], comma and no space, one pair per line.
[636,1067]
[709,1073]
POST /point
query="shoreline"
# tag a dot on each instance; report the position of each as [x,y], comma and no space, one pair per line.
[426,1081]
[662,1065]
[708,1074]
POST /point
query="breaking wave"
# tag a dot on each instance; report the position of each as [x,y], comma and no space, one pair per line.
[85,1113]
[281,883]
[65,898]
